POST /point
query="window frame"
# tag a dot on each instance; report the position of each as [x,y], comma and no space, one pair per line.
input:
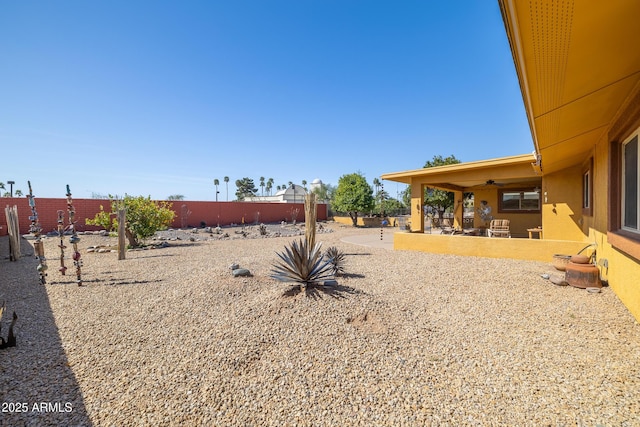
[587,188]
[625,126]
[521,190]
[623,181]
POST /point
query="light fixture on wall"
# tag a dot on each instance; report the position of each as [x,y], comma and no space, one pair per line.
[537,165]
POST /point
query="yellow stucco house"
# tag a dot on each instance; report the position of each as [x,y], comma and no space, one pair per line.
[578,64]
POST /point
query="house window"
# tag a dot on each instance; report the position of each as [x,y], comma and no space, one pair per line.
[630,208]
[623,198]
[587,188]
[516,200]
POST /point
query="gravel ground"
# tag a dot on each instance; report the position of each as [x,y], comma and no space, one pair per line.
[169,337]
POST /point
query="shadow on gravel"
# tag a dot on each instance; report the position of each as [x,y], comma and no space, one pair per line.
[150,256]
[37,384]
[358,254]
[352,275]
[127,282]
[318,292]
[71,281]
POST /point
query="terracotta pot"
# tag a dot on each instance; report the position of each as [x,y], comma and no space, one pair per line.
[580,259]
[560,261]
[583,275]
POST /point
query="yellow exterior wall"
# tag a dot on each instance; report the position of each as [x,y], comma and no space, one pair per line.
[528,249]
[491,197]
[519,222]
[562,205]
[623,271]
[600,188]
[345,220]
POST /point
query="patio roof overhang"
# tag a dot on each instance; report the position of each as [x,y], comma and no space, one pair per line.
[516,170]
[577,63]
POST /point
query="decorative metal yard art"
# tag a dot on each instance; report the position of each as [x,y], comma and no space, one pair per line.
[484,211]
[74,239]
[62,269]
[381,210]
[36,229]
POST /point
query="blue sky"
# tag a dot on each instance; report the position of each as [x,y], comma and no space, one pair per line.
[159,98]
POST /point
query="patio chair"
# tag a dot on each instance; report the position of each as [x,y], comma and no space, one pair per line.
[499,228]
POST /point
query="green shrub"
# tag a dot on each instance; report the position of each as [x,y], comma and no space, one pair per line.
[143,217]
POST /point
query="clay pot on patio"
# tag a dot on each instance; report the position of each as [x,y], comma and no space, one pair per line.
[560,261]
[582,275]
[580,259]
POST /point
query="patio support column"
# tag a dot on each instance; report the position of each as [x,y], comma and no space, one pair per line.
[458,209]
[417,211]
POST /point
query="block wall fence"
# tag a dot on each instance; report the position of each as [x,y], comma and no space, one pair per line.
[188,213]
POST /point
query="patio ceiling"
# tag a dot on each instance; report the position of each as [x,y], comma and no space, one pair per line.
[577,61]
[513,170]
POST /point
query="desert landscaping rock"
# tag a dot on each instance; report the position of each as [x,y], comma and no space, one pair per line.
[558,280]
[241,272]
[404,339]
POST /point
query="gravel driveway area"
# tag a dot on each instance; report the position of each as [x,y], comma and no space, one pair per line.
[168,337]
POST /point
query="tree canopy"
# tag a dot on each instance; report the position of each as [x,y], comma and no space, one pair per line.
[441,161]
[353,195]
[439,200]
[324,191]
[246,188]
[386,204]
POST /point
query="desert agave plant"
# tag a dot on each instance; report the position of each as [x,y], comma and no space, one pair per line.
[336,259]
[302,265]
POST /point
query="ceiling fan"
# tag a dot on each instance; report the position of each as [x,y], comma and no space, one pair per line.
[492,182]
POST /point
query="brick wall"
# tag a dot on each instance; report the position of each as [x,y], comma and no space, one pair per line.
[188,213]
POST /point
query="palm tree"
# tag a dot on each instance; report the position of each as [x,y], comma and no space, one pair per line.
[376,183]
[18,193]
[278,188]
[304,184]
[216,182]
[262,184]
[269,185]
[293,187]
[226,181]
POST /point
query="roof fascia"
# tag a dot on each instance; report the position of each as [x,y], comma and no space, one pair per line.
[406,176]
[510,19]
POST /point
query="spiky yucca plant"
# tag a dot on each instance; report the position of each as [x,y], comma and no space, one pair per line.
[336,258]
[302,265]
